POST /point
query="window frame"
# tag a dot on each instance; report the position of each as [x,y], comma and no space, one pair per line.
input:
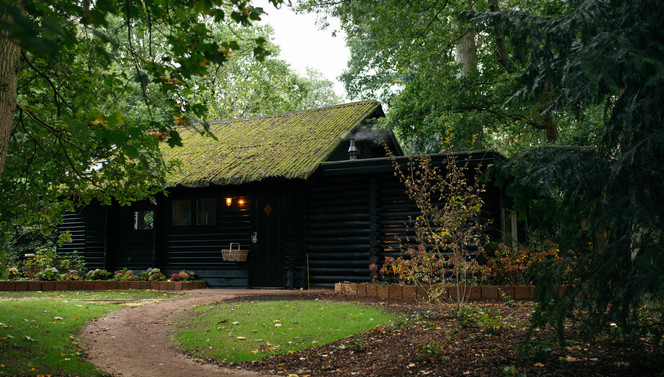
[143,225]
[181,208]
[199,211]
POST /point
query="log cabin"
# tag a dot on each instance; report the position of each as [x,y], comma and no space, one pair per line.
[309,195]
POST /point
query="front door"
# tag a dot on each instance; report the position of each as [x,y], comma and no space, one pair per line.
[267,259]
[131,235]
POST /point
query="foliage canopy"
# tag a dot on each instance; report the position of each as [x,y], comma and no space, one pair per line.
[100,85]
[575,85]
[605,201]
[435,73]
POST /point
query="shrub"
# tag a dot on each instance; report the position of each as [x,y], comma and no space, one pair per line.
[152,274]
[186,275]
[48,258]
[183,276]
[157,277]
[98,274]
[49,273]
[449,224]
[72,275]
[124,275]
[13,273]
[519,266]
[431,352]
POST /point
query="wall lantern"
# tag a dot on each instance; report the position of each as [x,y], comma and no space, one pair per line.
[229,201]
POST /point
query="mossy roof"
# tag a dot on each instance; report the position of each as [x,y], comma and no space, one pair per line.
[290,145]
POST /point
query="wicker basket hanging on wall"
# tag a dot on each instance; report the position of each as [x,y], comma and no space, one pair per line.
[234,253]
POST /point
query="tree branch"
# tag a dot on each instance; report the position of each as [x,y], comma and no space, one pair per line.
[57,132]
[135,60]
[518,117]
[433,19]
[58,140]
[501,46]
[56,93]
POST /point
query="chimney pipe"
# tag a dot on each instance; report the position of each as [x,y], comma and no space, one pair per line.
[352,150]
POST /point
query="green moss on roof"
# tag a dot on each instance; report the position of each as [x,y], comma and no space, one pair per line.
[289,145]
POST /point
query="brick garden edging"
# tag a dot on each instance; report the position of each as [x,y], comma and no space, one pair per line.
[97,285]
[411,292]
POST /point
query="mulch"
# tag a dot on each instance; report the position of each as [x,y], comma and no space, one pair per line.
[435,343]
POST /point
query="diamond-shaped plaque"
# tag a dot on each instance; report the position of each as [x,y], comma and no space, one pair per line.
[267,209]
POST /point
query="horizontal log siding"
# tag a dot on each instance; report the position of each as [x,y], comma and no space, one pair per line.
[338,230]
[354,219]
[88,230]
[199,247]
[396,231]
[74,223]
[95,237]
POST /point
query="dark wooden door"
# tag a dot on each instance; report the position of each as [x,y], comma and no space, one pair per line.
[267,257]
[131,238]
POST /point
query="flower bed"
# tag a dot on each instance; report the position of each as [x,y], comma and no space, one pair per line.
[48,271]
[411,292]
[98,285]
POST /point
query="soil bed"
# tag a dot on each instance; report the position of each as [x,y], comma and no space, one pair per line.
[457,349]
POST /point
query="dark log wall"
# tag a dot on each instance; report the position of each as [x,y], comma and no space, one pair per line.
[396,231]
[338,234]
[198,247]
[352,222]
[88,230]
[358,213]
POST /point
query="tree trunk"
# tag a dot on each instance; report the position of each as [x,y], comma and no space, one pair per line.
[501,45]
[466,55]
[546,100]
[10,53]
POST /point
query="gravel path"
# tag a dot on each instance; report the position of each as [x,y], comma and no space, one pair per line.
[136,341]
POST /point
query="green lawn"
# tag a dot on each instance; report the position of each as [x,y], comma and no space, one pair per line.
[252,330]
[37,329]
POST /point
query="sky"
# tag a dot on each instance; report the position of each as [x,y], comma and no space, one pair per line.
[304,45]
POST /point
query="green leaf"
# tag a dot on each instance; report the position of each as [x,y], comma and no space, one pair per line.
[174,139]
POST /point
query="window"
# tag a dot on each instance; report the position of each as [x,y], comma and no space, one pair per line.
[182,212]
[143,220]
[206,211]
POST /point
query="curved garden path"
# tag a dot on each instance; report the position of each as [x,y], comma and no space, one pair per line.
[135,341]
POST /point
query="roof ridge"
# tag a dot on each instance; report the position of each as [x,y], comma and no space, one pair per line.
[280,115]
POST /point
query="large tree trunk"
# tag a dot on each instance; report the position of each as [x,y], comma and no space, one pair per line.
[10,53]
[466,56]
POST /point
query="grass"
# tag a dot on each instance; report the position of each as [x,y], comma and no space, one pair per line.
[230,332]
[38,329]
[88,295]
